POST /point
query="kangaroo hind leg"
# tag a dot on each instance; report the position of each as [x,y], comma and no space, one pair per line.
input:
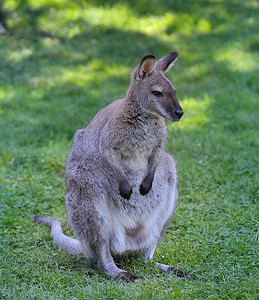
[91,220]
[106,263]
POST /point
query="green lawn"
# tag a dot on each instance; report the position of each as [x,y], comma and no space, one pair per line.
[60,63]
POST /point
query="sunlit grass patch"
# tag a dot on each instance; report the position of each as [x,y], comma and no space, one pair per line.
[91,72]
[195,112]
[71,21]
[237,59]
[19,54]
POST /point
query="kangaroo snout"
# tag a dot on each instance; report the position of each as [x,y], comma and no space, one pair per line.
[179,113]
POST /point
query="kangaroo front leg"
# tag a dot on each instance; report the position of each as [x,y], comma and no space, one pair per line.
[146,184]
[125,188]
[147,181]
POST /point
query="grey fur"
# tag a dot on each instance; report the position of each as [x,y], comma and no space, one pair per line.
[121,184]
[72,246]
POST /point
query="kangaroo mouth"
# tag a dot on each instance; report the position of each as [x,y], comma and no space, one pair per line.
[178,119]
[174,116]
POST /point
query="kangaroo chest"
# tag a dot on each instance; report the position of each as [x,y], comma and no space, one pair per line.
[137,148]
[141,141]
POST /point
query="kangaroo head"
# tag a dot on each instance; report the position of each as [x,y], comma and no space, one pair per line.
[153,91]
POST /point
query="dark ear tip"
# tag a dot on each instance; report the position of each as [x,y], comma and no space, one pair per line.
[149,56]
[175,53]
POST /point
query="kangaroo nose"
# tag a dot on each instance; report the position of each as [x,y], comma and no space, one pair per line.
[178,113]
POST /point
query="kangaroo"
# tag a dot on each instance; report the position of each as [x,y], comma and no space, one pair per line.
[121,184]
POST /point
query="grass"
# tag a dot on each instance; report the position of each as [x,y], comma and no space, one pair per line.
[60,63]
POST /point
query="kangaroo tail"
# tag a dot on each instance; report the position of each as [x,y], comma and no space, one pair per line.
[72,246]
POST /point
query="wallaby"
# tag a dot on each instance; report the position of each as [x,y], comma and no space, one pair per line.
[121,184]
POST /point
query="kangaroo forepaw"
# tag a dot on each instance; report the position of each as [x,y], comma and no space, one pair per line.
[126,277]
[145,187]
[125,190]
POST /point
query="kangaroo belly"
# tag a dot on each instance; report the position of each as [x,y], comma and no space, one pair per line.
[132,235]
[141,223]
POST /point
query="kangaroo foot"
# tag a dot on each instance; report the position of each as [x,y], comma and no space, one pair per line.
[180,273]
[126,277]
[166,269]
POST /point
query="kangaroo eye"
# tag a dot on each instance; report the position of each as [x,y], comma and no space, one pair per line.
[157,93]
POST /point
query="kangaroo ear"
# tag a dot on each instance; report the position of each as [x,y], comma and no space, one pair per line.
[146,66]
[165,63]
